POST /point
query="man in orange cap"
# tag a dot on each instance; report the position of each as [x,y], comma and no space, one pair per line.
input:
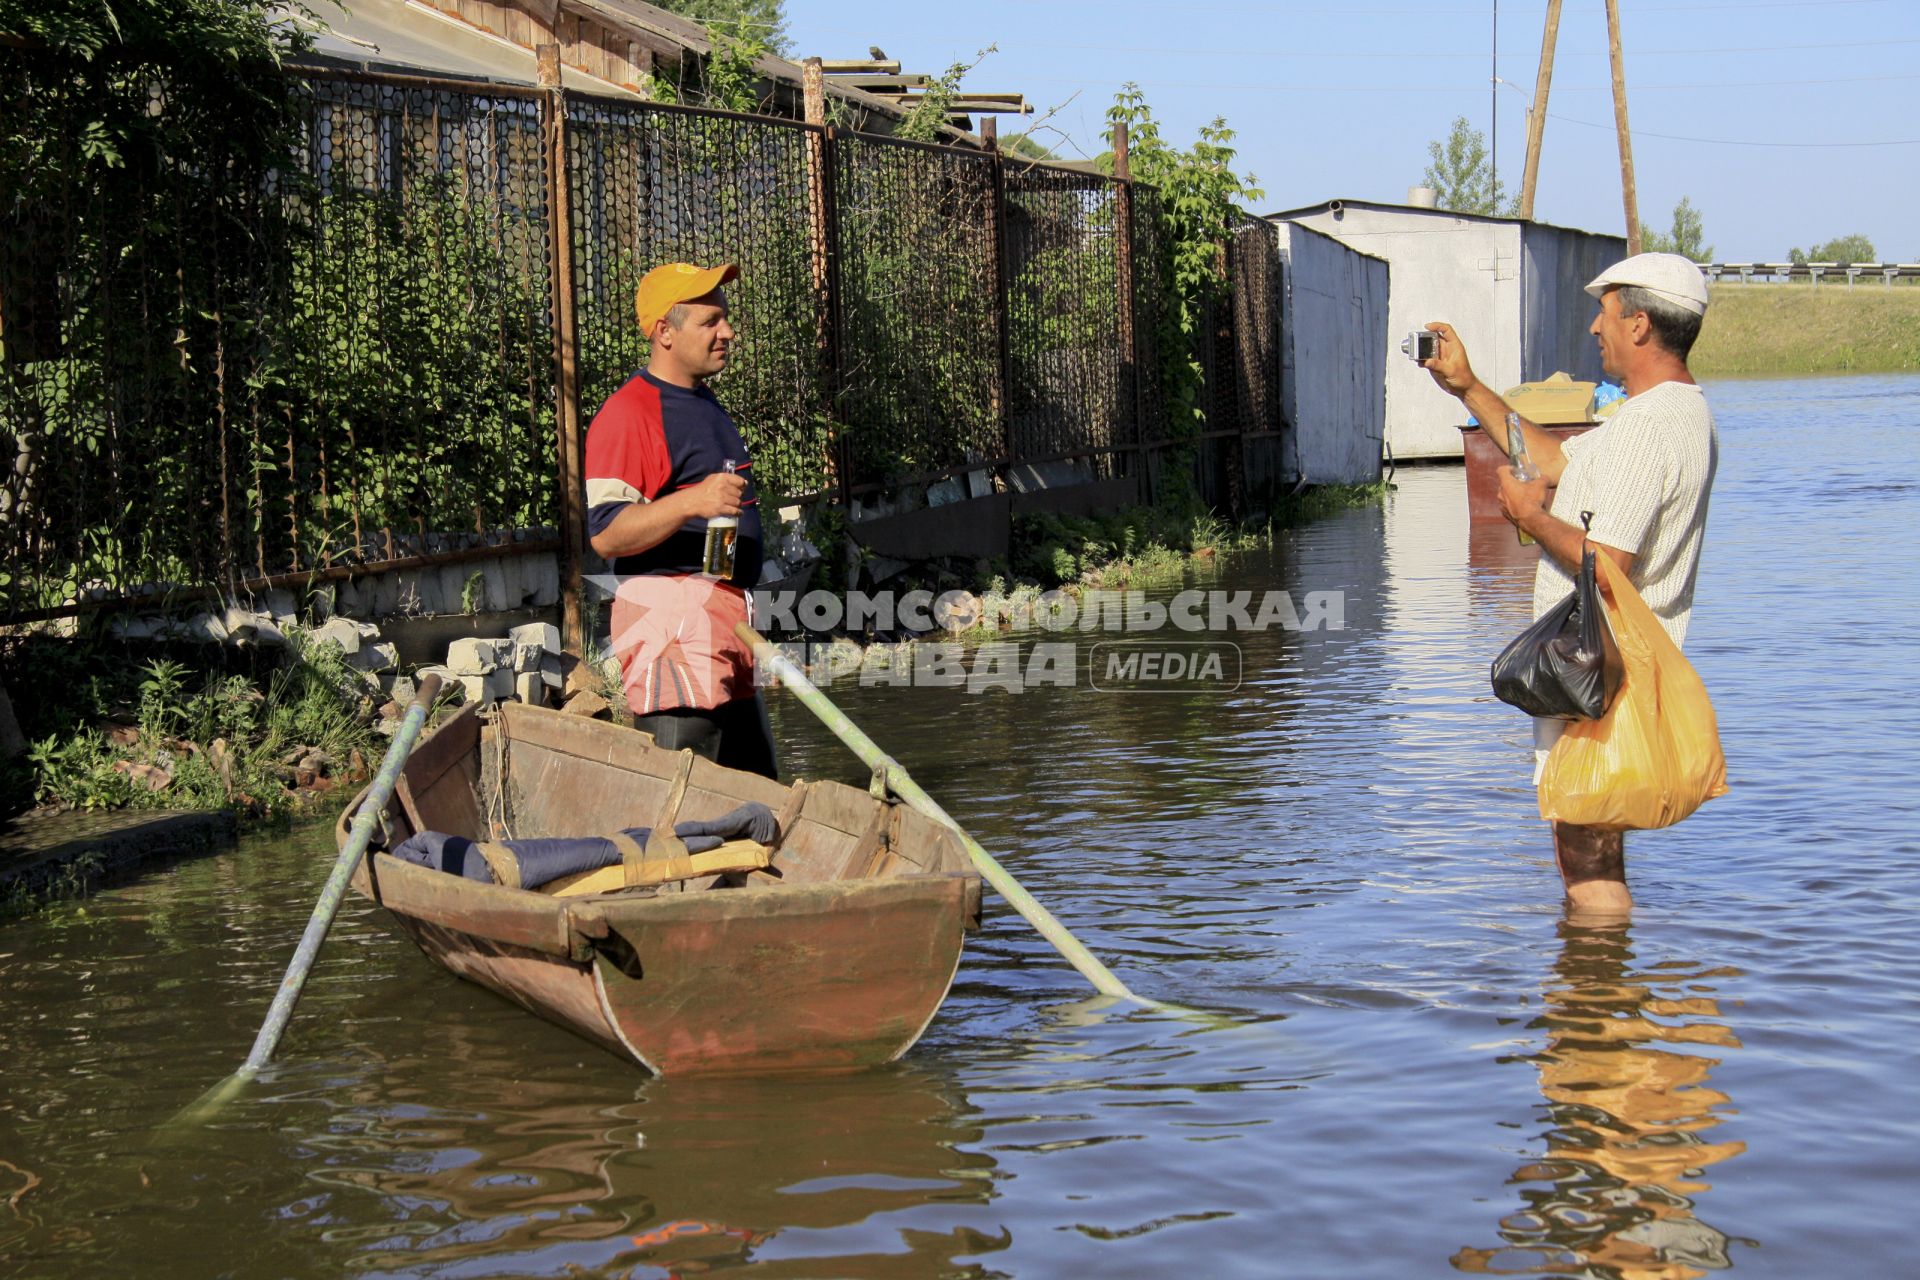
[663,459]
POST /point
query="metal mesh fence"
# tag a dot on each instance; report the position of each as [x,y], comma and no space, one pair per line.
[1253,268]
[210,374]
[124,389]
[651,185]
[920,370]
[415,333]
[1063,316]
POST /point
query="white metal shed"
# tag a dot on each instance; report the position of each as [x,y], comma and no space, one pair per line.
[1511,289]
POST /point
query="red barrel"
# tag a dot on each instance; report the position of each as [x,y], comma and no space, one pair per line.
[1484,460]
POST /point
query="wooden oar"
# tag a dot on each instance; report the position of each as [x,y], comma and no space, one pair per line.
[907,789]
[365,822]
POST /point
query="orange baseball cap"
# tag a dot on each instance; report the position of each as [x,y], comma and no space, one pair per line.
[666,287]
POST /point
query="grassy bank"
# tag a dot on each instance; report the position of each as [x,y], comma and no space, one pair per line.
[1797,329]
[1134,549]
[109,728]
[1144,546]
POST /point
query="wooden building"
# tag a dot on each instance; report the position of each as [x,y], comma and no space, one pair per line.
[618,47]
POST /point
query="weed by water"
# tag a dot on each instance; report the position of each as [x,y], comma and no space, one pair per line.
[105,733]
[72,881]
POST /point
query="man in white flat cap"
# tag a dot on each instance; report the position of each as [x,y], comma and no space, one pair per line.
[1645,474]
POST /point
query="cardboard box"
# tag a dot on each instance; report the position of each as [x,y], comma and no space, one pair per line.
[1558,399]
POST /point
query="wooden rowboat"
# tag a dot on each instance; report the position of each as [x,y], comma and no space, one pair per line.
[835,957]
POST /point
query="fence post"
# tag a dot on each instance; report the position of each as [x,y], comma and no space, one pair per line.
[822,234]
[997,272]
[566,351]
[1129,326]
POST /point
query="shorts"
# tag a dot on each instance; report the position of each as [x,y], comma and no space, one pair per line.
[1546,732]
[675,640]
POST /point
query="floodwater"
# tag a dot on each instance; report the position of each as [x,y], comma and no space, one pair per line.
[1425,1069]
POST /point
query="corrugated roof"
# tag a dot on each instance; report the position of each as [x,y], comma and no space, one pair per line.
[394,36]
[1288,215]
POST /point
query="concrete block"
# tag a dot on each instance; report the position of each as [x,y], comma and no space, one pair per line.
[944,493]
[448,680]
[343,633]
[552,673]
[382,593]
[487,689]
[979,484]
[378,656]
[239,624]
[268,635]
[502,590]
[459,588]
[528,687]
[398,687]
[350,598]
[280,606]
[410,592]
[475,656]
[137,626]
[541,575]
[543,635]
[203,627]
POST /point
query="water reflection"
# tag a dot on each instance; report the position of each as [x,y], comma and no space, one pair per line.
[689,1176]
[1626,1145]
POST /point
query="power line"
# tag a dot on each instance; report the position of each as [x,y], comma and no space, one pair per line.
[1376,55]
[1736,142]
[1350,87]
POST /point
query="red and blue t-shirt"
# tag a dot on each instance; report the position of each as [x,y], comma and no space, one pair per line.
[650,438]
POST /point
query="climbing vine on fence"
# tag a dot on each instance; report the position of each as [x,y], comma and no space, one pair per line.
[1201,201]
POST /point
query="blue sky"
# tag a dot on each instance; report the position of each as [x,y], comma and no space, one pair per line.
[1340,100]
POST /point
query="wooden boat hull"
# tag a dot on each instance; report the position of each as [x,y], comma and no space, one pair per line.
[839,963]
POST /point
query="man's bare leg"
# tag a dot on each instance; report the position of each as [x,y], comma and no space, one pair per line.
[1593,863]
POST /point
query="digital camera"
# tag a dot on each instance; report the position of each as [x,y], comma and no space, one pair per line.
[1421,345]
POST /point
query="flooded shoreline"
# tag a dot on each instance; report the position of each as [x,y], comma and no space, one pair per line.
[1431,1071]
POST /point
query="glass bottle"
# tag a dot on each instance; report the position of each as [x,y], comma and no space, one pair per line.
[1523,468]
[723,535]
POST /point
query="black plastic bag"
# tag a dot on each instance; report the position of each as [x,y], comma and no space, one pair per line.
[1565,666]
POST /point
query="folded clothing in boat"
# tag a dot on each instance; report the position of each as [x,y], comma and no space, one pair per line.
[540,861]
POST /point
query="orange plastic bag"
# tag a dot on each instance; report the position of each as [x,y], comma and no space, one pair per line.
[1655,756]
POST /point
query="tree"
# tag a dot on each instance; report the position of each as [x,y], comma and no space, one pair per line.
[763,21]
[1845,250]
[1686,236]
[1462,173]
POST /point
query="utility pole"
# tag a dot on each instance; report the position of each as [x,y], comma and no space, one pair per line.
[1627,193]
[1537,118]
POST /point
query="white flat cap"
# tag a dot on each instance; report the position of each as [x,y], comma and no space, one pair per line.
[1667,275]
